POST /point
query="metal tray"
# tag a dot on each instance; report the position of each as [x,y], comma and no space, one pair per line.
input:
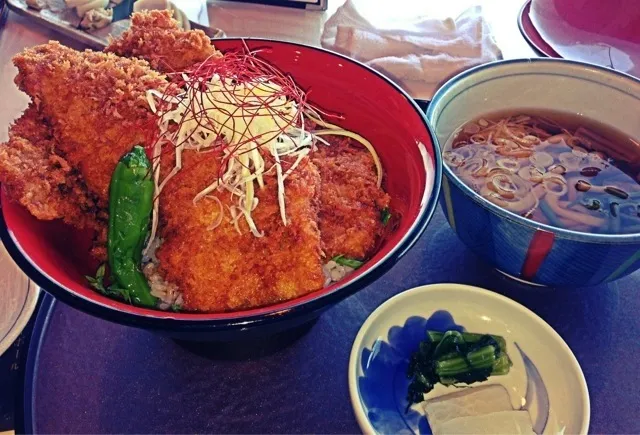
[57,16]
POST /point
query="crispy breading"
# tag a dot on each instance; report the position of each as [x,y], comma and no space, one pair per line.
[156,37]
[87,110]
[220,269]
[351,202]
[95,104]
[42,181]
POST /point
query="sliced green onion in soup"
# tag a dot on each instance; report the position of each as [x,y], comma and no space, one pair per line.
[579,151]
[478,138]
[541,159]
[523,204]
[493,197]
[531,173]
[510,164]
[557,169]
[476,167]
[457,158]
[508,186]
[529,141]
[570,161]
[453,158]
[506,143]
[554,184]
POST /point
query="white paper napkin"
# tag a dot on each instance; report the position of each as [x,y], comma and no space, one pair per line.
[417,54]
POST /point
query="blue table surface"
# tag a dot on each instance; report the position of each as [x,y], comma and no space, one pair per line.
[94,376]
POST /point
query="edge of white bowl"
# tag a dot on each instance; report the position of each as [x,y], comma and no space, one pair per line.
[29,307]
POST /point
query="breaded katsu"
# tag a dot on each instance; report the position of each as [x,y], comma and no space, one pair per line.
[156,37]
[41,180]
[95,104]
[350,199]
[89,108]
[86,111]
[218,269]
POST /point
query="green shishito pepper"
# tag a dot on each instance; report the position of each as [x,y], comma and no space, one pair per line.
[130,206]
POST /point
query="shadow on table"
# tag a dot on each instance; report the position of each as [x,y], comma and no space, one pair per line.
[575,313]
[248,348]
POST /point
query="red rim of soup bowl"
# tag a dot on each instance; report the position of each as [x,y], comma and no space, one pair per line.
[20,231]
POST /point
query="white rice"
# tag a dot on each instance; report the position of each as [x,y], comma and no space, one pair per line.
[165,291]
[334,272]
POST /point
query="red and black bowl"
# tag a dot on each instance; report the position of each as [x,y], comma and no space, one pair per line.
[56,256]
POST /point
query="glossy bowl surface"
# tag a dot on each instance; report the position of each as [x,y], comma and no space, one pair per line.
[56,257]
[521,248]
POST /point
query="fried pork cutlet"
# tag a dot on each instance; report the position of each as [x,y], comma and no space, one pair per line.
[42,181]
[87,110]
[219,269]
[350,200]
[94,103]
[156,37]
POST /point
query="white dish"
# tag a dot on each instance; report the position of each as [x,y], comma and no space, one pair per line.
[556,395]
[18,299]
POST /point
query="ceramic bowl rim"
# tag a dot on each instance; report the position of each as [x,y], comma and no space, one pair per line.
[27,310]
[499,211]
[354,357]
[163,320]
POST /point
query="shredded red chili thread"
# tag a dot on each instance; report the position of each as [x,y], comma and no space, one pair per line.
[235,68]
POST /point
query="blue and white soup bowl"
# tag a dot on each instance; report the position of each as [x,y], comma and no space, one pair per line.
[519,247]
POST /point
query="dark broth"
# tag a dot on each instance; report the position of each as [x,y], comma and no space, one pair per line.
[551,167]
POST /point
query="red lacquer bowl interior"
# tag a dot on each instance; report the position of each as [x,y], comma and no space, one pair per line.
[371,106]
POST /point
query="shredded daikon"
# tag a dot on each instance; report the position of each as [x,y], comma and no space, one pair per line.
[248,117]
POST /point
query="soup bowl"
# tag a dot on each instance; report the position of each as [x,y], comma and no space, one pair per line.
[56,256]
[516,246]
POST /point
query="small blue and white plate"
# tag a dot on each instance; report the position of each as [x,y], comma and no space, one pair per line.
[545,380]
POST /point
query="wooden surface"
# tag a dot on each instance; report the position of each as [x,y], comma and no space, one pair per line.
[236,20]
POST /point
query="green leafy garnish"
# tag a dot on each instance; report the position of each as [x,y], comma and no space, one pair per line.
[385,215]
[453,358]
[97,283]
[175,307]
[348,262]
